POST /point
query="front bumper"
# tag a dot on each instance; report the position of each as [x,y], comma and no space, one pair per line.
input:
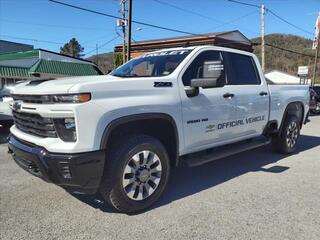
[80,172]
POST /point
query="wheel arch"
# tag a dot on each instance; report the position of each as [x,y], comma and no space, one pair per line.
[139,121]
[296,109]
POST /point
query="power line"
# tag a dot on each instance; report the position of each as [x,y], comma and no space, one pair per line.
[206,17]
[188,11]
[31,39]
[51,25]
[134,21]
[116,17]
[247,4]
[283,49]
[155,26]
[291,24]
[101,46]
[274,14]
[289,50]
[236,19]
[95,39]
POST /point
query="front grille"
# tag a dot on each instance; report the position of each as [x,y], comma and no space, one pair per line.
[34,124]
[39,99]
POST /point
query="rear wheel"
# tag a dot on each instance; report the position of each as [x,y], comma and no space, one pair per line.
[286,141]
[136,173]
[317,109]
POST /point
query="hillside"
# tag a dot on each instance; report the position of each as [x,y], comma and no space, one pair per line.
[277,59]
[104,61]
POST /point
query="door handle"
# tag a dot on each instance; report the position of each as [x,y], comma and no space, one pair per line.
[263,93]
[228,95]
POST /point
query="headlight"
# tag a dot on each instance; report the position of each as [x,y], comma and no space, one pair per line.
[66,129]
[71,98]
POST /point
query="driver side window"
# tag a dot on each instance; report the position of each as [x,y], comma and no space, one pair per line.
[196,68]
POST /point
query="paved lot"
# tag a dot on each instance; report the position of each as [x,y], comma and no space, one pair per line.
[254,195]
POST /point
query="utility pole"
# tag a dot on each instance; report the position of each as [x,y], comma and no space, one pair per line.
[263,12]
[123,24]
[317,53]
[315,63]
[97,58]
[129,29]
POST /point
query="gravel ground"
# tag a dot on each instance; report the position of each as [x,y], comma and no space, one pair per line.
[253,195]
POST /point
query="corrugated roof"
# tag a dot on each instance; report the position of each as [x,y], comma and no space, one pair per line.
[6,71]
[64,68]
[19,55]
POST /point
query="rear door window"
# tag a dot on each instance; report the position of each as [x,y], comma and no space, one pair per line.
[242,70]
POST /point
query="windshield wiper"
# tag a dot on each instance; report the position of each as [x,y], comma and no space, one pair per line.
[125,76]
[118,75]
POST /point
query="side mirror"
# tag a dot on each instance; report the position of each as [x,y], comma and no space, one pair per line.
[204,83]
[209,76]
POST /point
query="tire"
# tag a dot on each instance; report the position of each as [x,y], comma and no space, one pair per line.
[317,109]
[6,125]
[124,173]
[286,141]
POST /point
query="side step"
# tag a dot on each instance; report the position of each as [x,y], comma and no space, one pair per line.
[199,158]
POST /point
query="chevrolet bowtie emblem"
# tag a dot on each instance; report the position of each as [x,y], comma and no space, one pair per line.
[17,105]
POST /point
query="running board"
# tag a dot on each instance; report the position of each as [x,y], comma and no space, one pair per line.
[199,158]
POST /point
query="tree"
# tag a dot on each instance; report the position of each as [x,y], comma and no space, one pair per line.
[72,48]
[117,58]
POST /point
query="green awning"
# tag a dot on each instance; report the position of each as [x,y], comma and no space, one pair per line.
[6,71]
[64,68]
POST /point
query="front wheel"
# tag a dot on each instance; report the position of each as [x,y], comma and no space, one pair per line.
[136,173]
[286,141]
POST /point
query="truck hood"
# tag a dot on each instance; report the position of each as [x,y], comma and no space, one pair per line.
[55,86]
[97,85]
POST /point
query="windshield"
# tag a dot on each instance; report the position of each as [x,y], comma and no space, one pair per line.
[155,64]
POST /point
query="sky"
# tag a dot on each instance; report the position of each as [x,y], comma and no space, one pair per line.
[48,25]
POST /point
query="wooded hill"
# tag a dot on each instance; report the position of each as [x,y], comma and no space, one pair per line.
[104,61]
[277,59]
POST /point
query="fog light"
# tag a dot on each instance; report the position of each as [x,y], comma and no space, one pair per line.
[69,123]
[66,129]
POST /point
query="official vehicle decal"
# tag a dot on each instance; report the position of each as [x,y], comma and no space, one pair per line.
[240,122]
[230,124]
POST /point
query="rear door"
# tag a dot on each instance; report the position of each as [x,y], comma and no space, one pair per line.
[251,94]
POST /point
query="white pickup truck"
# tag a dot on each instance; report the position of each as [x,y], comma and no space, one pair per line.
[120,134]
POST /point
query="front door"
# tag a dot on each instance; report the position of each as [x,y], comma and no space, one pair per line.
[206,114]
